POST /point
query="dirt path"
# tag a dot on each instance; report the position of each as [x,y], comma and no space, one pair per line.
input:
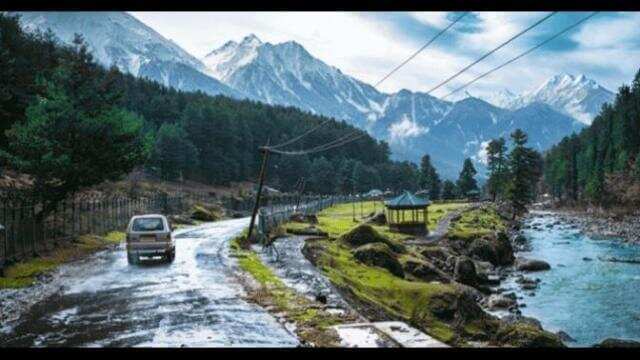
[196,301]
[441,229]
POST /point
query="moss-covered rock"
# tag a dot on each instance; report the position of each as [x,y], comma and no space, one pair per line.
[314,250]
[525,335]
[365,234]
[482,249]
[465,271]
[379,254]
[504,250]
[424,270]
[199,212]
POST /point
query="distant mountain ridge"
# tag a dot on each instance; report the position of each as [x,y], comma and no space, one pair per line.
[117,38]
[576,96]
[413,123]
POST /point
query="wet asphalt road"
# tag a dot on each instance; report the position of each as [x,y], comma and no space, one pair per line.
[194,302]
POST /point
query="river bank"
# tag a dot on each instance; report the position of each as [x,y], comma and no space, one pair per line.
[587,293]
[600,223]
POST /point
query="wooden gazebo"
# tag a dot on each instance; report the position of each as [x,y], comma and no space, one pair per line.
[408,214]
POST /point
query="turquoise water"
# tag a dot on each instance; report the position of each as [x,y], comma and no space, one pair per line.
[590,300]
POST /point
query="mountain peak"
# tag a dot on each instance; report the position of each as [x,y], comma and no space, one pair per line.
[251,40]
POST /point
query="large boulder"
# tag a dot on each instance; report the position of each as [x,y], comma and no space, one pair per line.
[520,334]
[425,270]
[504,250]
[500,302]
[379,254]
[495,249]
[482,249]
[465,271]
[618,343]
[365,234]
[523,264]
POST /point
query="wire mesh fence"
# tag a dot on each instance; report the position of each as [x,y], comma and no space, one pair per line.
[28,229]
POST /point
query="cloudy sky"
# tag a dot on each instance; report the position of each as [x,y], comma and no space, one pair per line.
[368,45]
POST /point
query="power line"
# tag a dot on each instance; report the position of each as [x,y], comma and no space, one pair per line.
[291,141]
[345,139]
[421,49]
[523,54]
[297,138]
[491,52]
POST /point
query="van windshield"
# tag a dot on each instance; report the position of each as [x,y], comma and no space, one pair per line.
[148,224]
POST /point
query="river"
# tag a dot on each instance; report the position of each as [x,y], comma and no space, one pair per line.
[589,298]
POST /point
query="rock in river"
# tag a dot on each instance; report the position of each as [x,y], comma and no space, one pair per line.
[500,302]
[618,343]
[531,265]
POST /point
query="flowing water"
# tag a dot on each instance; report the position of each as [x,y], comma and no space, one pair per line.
[583,294]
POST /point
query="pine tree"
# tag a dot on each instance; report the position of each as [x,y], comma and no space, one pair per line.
[429,178]
[498,169]
[74,136]
[466,181]
[525,169]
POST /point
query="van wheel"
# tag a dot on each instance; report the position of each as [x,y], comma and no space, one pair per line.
[171,256]
[131,259]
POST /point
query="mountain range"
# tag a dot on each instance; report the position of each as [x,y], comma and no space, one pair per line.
[413,123]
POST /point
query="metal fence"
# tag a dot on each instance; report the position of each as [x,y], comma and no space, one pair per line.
[271,217]
[27,231]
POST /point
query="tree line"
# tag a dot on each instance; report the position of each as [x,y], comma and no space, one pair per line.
[601,164]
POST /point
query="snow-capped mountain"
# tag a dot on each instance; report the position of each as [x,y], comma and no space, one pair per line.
[117,38]
[413,123]
[576,96]
[287,74]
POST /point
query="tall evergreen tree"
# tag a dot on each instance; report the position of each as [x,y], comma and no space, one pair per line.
[429,178]
[524,164]
[74,136]
[466,181]
[498,167]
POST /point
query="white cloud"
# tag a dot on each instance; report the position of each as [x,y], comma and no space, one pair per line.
[405,128]
[482,155]
[367,48]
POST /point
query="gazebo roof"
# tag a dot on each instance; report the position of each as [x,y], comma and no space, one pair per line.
[407,201]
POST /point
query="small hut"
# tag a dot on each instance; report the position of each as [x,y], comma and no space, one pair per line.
[408,214]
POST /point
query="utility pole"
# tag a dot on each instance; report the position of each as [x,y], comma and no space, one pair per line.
[263,174]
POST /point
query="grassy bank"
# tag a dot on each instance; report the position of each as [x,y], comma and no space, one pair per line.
[339,219]
[410,301]
[476,223]
[312,322]
[25,273]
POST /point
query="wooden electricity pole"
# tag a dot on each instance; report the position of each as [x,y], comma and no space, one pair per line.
[263,174]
